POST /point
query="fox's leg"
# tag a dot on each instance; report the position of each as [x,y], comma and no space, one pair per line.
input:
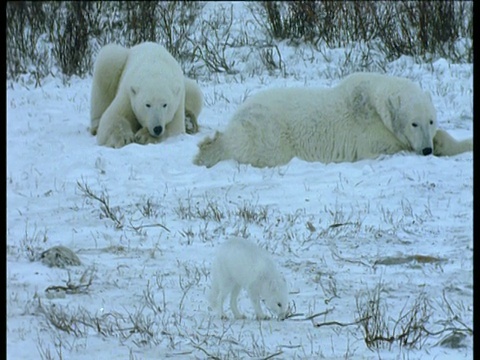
[233,302]
[255,298]
[217,297]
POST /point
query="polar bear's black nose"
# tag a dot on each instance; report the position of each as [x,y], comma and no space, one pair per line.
[427,151]
[158,130]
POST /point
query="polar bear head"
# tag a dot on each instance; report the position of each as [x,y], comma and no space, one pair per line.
[154,107]
[411,116]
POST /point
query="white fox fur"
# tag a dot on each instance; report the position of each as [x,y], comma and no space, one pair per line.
[241,264]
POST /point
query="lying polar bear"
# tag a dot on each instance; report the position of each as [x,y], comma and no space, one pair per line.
[141,95]
[365,115]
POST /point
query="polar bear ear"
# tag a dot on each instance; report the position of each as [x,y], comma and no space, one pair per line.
[134,90]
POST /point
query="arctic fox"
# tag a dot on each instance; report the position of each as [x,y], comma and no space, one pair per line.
[241,264]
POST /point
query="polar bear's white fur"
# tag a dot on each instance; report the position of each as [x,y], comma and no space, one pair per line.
[445,145]
[193,105]
[240,264]
[138,95]
[364,116]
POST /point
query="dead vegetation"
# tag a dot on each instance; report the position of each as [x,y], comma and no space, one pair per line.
[43,36]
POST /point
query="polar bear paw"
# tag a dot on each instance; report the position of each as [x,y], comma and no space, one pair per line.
[191,123]
[118,139]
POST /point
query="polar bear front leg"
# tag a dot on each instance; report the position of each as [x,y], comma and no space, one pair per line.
[177,125]
[120,135]
[114,131]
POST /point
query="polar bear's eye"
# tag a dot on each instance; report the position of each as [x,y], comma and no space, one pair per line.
[279,305]
[431,122]
[147,105]
[164,106]
[414,124]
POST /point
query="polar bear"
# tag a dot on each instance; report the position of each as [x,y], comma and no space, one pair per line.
[365,115]
[240,264]
[138,95]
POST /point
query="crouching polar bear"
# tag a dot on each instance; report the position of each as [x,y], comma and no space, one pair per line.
[364,116]
[240,264]
[141,95]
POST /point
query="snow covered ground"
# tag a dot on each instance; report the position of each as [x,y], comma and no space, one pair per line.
[390,238]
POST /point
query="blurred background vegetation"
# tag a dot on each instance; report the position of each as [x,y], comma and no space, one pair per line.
[49,37]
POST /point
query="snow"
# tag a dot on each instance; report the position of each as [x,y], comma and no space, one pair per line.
[401,224]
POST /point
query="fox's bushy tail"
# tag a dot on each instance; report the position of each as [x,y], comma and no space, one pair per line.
[211,151]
